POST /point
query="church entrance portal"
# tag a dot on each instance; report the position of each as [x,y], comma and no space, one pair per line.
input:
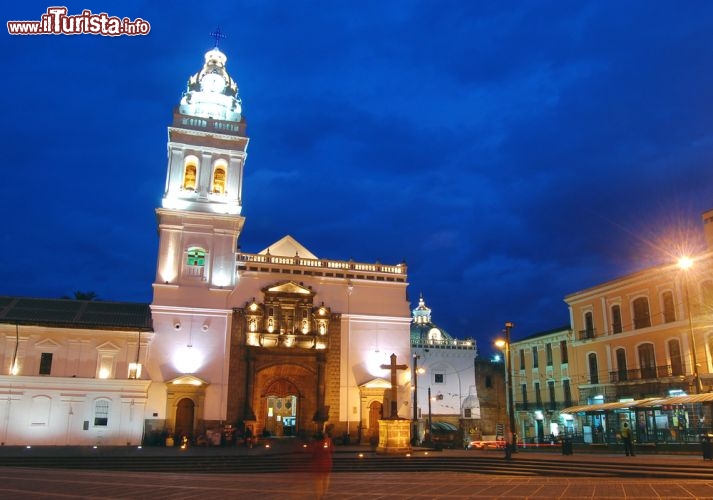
[281,407]
[184,418]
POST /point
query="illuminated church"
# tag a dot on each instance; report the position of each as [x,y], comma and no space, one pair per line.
[279,341]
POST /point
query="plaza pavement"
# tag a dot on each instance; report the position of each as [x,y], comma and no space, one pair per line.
[33,483]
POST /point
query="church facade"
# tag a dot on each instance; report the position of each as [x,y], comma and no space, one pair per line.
[279,341]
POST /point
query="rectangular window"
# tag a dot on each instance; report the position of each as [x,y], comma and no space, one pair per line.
[642,317]
[616,319]
[522,359]
[669,309]
[438,378]
[101,413]
[551,390]
[563,352]
[45,363]
[548,351]
[535,358]
[567,392]
[467,413]
[538,395]
[488,382]
[523,387]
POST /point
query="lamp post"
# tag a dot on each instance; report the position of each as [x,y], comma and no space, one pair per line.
[350,289]
[505,345]
[685,263]
[430,429]
[414,437]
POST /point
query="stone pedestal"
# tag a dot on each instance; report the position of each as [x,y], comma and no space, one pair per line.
[394,436]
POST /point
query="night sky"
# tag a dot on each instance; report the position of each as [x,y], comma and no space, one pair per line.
[510,152]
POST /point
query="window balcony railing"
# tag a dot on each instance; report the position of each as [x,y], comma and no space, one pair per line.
[544,405]
[636,374]
[196,273]
[588,333]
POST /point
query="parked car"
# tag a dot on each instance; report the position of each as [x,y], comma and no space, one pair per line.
[486,445]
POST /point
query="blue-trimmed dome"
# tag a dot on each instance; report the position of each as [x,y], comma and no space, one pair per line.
[423,330]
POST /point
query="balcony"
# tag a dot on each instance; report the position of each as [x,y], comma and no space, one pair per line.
[588,333]
[637,374]
[544,406]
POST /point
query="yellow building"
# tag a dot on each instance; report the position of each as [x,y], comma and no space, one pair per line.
[639,348]
[542,385]
[640,339]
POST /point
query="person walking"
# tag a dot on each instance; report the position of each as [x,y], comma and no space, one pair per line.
[322,449]
[626,437]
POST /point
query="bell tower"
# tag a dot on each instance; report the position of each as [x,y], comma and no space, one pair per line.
[199,221]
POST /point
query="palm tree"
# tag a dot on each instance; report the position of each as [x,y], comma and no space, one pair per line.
[79,295]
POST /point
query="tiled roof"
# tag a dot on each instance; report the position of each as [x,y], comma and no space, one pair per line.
[71,313]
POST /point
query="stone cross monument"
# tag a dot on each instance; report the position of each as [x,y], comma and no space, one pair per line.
[393,367]
[394,432]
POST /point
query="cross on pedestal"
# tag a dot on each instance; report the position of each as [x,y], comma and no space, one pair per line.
[393,367]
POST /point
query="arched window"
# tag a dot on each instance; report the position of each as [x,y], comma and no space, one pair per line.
[219,178]
[642,317]
[196,257]
[195,263]
[621,369]
[647,361]
[190,173]
[669,310]
[674,353]
[588,325]
[616,318]
[593,369]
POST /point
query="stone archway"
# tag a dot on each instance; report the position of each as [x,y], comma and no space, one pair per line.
[280,408]
[288,391]
[372,395]
[376,413]
[185,418]
[185,396]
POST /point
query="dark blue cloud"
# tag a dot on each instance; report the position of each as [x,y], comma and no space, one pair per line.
[510,152]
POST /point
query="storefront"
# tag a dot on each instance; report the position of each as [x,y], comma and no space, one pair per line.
[681,419]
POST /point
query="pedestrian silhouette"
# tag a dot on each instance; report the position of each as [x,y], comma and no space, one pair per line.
[322,449]
[626,437]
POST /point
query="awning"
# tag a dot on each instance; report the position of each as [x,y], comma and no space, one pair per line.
[641,403]
[443,427]
[706,397]
[595,407]
[614,405]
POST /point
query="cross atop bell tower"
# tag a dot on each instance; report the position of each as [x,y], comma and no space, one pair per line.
[217,35]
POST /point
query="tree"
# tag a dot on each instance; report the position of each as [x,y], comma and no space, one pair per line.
[79,295]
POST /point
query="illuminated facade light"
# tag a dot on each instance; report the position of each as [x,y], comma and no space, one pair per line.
[221,279]
[187,360]
[134,370]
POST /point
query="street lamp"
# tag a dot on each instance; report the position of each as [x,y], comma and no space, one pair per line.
[685,263]
[414,437]
[430,428]
[505,345]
